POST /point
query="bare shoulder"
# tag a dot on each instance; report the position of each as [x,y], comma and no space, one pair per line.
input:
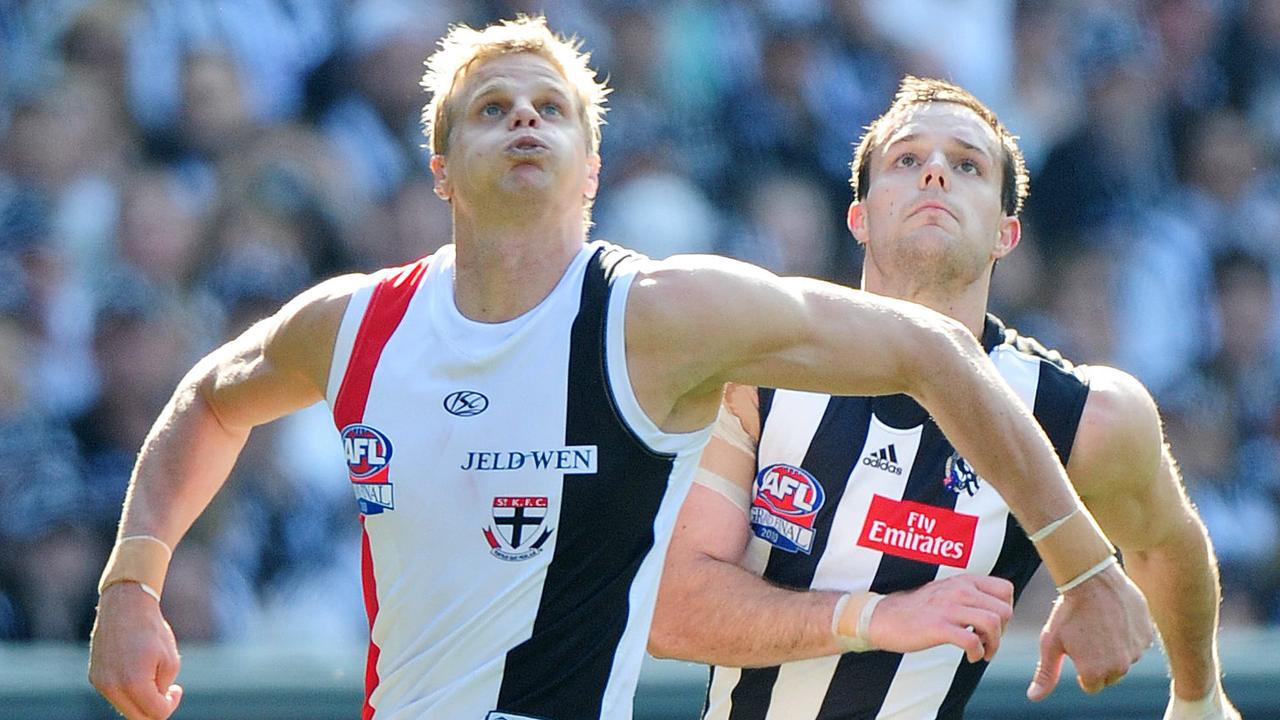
[301,335]
[696,286]
[1117,400]
[707,302]
[1119,436]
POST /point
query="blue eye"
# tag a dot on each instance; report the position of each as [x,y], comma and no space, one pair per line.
[969,166]
[906,161]
[551,109]
[491,110]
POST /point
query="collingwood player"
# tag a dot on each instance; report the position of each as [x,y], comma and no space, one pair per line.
[522,414]
[824,557]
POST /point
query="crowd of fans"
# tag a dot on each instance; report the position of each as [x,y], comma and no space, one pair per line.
[171,170]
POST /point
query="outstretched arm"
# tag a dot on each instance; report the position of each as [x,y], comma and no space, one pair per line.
[737,323]
[277,366]
[1129,479]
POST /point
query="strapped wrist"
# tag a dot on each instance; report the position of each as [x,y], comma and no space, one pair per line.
[851,621]
[141,559]
[1211,706]
[1073,546]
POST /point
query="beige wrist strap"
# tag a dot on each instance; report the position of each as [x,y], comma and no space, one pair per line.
[851,620]
[142,559]
[1072,547]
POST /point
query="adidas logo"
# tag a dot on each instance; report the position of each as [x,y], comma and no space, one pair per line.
[886,459]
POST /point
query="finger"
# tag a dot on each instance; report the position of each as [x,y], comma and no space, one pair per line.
[991,604]
[174,696]
[167,669]
[1048,669]
[149,700]
[123,704]
[996,587]
[1096,685]
[967,641]
[986,625]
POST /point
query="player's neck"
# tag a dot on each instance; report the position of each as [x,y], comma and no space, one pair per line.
[967,304]
[504,269]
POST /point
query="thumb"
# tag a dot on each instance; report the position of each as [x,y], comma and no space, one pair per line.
[173,697]
[1047,671]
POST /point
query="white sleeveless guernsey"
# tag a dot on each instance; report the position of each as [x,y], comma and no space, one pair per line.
[516,501]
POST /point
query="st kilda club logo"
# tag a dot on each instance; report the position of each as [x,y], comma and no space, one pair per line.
[517,532]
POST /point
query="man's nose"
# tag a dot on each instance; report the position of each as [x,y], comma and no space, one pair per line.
[523,115]
[934,173]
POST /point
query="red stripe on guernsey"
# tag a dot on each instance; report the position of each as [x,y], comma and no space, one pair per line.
[370,608]
[386,309]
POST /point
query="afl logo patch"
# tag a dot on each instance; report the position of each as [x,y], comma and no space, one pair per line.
[465,403]
[368,451]
[786,500]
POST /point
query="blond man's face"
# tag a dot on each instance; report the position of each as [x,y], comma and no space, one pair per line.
[516,133]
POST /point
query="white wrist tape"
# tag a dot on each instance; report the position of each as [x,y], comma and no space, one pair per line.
[1077,580]
[1047,530]
[1210,707]
[860,641]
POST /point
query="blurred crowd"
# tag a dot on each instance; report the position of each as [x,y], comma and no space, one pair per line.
[172,170]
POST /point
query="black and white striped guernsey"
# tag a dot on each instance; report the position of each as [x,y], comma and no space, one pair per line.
[858,493]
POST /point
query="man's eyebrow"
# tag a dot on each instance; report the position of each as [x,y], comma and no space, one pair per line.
[962,143]
[489,88]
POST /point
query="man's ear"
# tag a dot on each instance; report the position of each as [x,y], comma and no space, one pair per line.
[592,184]
[1010,236]
[442,187]
[857,222]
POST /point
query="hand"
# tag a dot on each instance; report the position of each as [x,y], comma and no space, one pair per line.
[1215,706]
[133,657]
[1104,626]
[969,611]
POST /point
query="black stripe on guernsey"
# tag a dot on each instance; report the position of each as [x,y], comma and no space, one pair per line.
[1060,399]
[861,680]
[831,458]
[605,531]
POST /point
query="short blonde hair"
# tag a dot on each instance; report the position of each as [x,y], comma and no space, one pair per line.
[913,92]
[462,47]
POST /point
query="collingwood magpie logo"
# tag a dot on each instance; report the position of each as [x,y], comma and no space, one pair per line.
[465,403]
[960,477]
[886,459]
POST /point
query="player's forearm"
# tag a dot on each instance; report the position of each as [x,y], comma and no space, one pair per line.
[996,433]
[184,461]
[1180,579]
[746,622]
[993,430]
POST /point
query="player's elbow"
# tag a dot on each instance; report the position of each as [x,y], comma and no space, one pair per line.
[664,634]
[935,351]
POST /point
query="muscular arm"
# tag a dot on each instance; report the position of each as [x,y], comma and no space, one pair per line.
[1129,480]
[736,323]
[696,323]
[279,365]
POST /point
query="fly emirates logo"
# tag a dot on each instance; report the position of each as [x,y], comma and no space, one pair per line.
[917,531]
